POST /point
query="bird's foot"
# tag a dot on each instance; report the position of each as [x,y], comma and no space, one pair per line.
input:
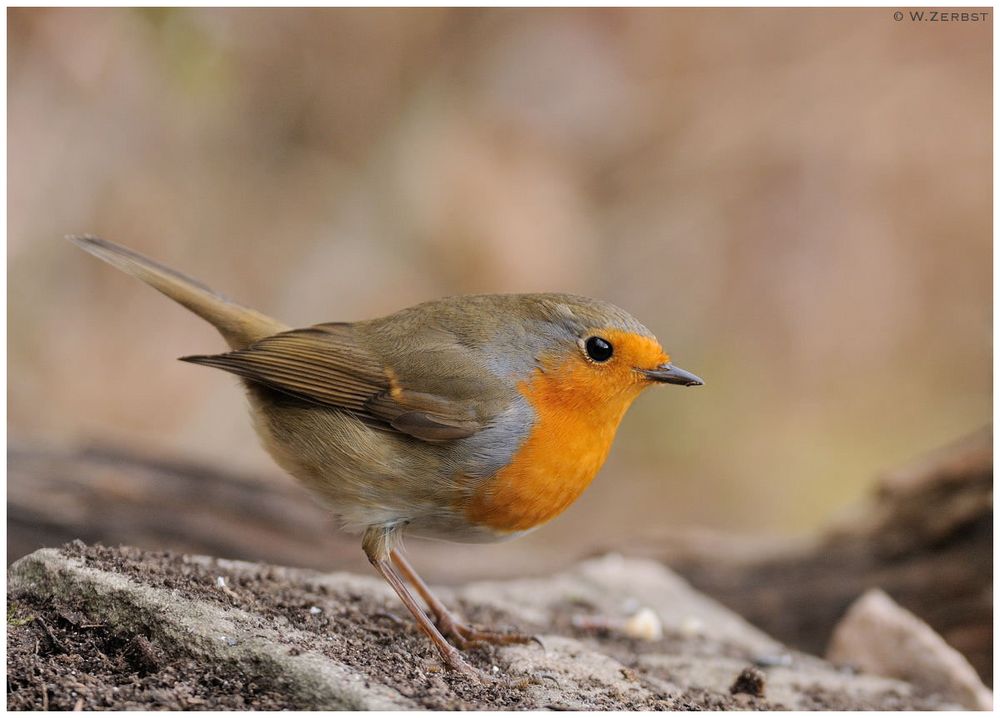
[465,635]
[454,661]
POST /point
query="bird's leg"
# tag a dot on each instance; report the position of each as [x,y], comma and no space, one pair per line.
[375,546]
[463,634]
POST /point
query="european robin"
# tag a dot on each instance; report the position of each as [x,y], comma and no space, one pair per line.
[471,418]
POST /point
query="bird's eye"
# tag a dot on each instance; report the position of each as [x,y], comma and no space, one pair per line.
[599,349]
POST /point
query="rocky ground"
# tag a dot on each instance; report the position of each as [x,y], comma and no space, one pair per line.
[95,628]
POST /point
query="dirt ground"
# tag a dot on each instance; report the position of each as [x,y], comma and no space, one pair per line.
[60,658]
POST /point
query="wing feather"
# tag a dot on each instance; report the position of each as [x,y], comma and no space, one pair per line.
[327,365]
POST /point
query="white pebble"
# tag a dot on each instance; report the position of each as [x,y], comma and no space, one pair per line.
[315,610]
[692,626]
[220,582]
[644,625]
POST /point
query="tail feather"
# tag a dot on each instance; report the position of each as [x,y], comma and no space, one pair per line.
[239,325]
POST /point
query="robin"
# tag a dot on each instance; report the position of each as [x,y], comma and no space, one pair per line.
[472,418]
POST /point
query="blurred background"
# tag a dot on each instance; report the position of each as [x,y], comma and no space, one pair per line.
[797,202]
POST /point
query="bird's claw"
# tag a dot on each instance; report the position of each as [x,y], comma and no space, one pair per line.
[455,662]
[466,636]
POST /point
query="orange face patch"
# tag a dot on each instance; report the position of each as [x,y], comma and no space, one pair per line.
[578,405]
[631,352]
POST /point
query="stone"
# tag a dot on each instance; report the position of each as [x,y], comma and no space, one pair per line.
[161,630]
[880,637]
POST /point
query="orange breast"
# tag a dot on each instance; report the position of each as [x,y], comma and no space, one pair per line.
[578,411]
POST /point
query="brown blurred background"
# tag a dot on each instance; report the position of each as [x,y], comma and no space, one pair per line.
[797,202]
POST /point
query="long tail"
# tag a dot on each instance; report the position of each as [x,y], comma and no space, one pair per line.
[238,325]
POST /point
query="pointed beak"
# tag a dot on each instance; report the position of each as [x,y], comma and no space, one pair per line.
[670,374]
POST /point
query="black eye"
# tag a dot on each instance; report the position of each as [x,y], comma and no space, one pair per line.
[599,349]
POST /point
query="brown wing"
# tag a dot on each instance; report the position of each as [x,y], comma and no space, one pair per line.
[326,365]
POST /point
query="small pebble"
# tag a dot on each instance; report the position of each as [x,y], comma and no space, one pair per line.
[780,660]
[750,681]
[315,610]
[644,625]
[220,582]
[692,626]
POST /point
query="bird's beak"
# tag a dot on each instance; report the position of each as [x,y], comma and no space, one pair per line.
[670,374]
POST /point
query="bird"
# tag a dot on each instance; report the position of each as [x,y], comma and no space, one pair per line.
[473,418]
